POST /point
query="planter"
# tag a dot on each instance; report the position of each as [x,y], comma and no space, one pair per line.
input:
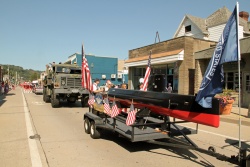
[226,110]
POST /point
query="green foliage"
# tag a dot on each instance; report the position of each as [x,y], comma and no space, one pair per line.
[227,92]
[24,74]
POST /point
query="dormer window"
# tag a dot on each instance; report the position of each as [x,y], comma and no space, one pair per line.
[188,28]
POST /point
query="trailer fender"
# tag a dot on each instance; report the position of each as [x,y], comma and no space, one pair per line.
[93,117]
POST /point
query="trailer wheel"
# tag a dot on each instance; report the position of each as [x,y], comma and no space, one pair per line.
[94,134]
[87,125]
[212,149]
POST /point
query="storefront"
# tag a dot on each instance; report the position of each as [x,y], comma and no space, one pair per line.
[172,62]
[161,76]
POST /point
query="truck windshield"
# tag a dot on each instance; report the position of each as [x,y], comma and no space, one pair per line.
[68,70]
[62,70]
[75,71]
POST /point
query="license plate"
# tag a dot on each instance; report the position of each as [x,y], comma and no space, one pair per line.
[75,90]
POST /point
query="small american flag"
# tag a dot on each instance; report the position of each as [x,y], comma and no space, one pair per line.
[106,106]
[91,101]
[115,110]
[147,74]
[131,116]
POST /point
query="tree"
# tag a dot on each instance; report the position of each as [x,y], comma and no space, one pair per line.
[34,76]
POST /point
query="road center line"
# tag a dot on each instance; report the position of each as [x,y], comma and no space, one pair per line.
[34,154]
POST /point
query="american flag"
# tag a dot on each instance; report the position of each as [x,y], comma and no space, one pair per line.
[115,110]
[91,101]
[106,106]
[86,77]
[131,116]
[147,74]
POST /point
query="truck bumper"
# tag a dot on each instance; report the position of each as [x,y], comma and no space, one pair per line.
[72,90]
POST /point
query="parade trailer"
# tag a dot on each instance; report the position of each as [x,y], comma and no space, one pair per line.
[155,118]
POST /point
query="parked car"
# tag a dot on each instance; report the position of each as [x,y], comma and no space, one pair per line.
[38,90]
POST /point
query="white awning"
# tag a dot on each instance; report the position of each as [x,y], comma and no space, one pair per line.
[160,58]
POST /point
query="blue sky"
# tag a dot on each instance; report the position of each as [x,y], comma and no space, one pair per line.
[34,33]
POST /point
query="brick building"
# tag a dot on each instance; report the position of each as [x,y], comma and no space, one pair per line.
[173,58]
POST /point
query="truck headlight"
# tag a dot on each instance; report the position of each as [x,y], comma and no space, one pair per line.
[63,81]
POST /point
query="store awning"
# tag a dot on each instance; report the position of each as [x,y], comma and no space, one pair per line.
[159,58]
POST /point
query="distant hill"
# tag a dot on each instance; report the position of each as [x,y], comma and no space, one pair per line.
[17,71]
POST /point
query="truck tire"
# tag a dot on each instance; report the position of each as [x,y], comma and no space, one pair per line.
[84,101]
[94,134]
[87,125]
[54,100]
[46,98]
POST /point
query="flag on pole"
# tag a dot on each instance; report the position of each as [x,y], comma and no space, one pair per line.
[86,77]
[147,74]
[106,106]
[115,110]
[226,51]
[131,116]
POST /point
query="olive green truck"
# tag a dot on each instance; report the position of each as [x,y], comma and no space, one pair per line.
[63,82]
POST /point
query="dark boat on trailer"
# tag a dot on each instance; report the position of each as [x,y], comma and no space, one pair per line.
[183,107]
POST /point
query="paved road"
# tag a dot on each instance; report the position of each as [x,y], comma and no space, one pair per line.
[33,133]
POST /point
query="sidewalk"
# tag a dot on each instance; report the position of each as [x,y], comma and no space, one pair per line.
[234,117]
[14,147]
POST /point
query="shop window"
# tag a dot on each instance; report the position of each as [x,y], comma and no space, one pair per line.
[232,80]
[247,80]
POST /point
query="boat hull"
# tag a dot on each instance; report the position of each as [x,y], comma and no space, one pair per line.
[168,104]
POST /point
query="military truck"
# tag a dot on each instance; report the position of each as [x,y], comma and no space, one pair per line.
[63,82]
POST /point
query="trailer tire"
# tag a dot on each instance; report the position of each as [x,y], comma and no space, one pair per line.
[94,134]
[87,125]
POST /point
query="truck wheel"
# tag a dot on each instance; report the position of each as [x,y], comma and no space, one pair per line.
[46,98]
[94,134]
[87,125]
[44,94]
[84,101]
[54,100]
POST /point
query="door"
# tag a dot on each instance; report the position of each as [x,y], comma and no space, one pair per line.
[245,90]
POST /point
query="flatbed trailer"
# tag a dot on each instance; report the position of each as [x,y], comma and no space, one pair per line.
[151,128]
